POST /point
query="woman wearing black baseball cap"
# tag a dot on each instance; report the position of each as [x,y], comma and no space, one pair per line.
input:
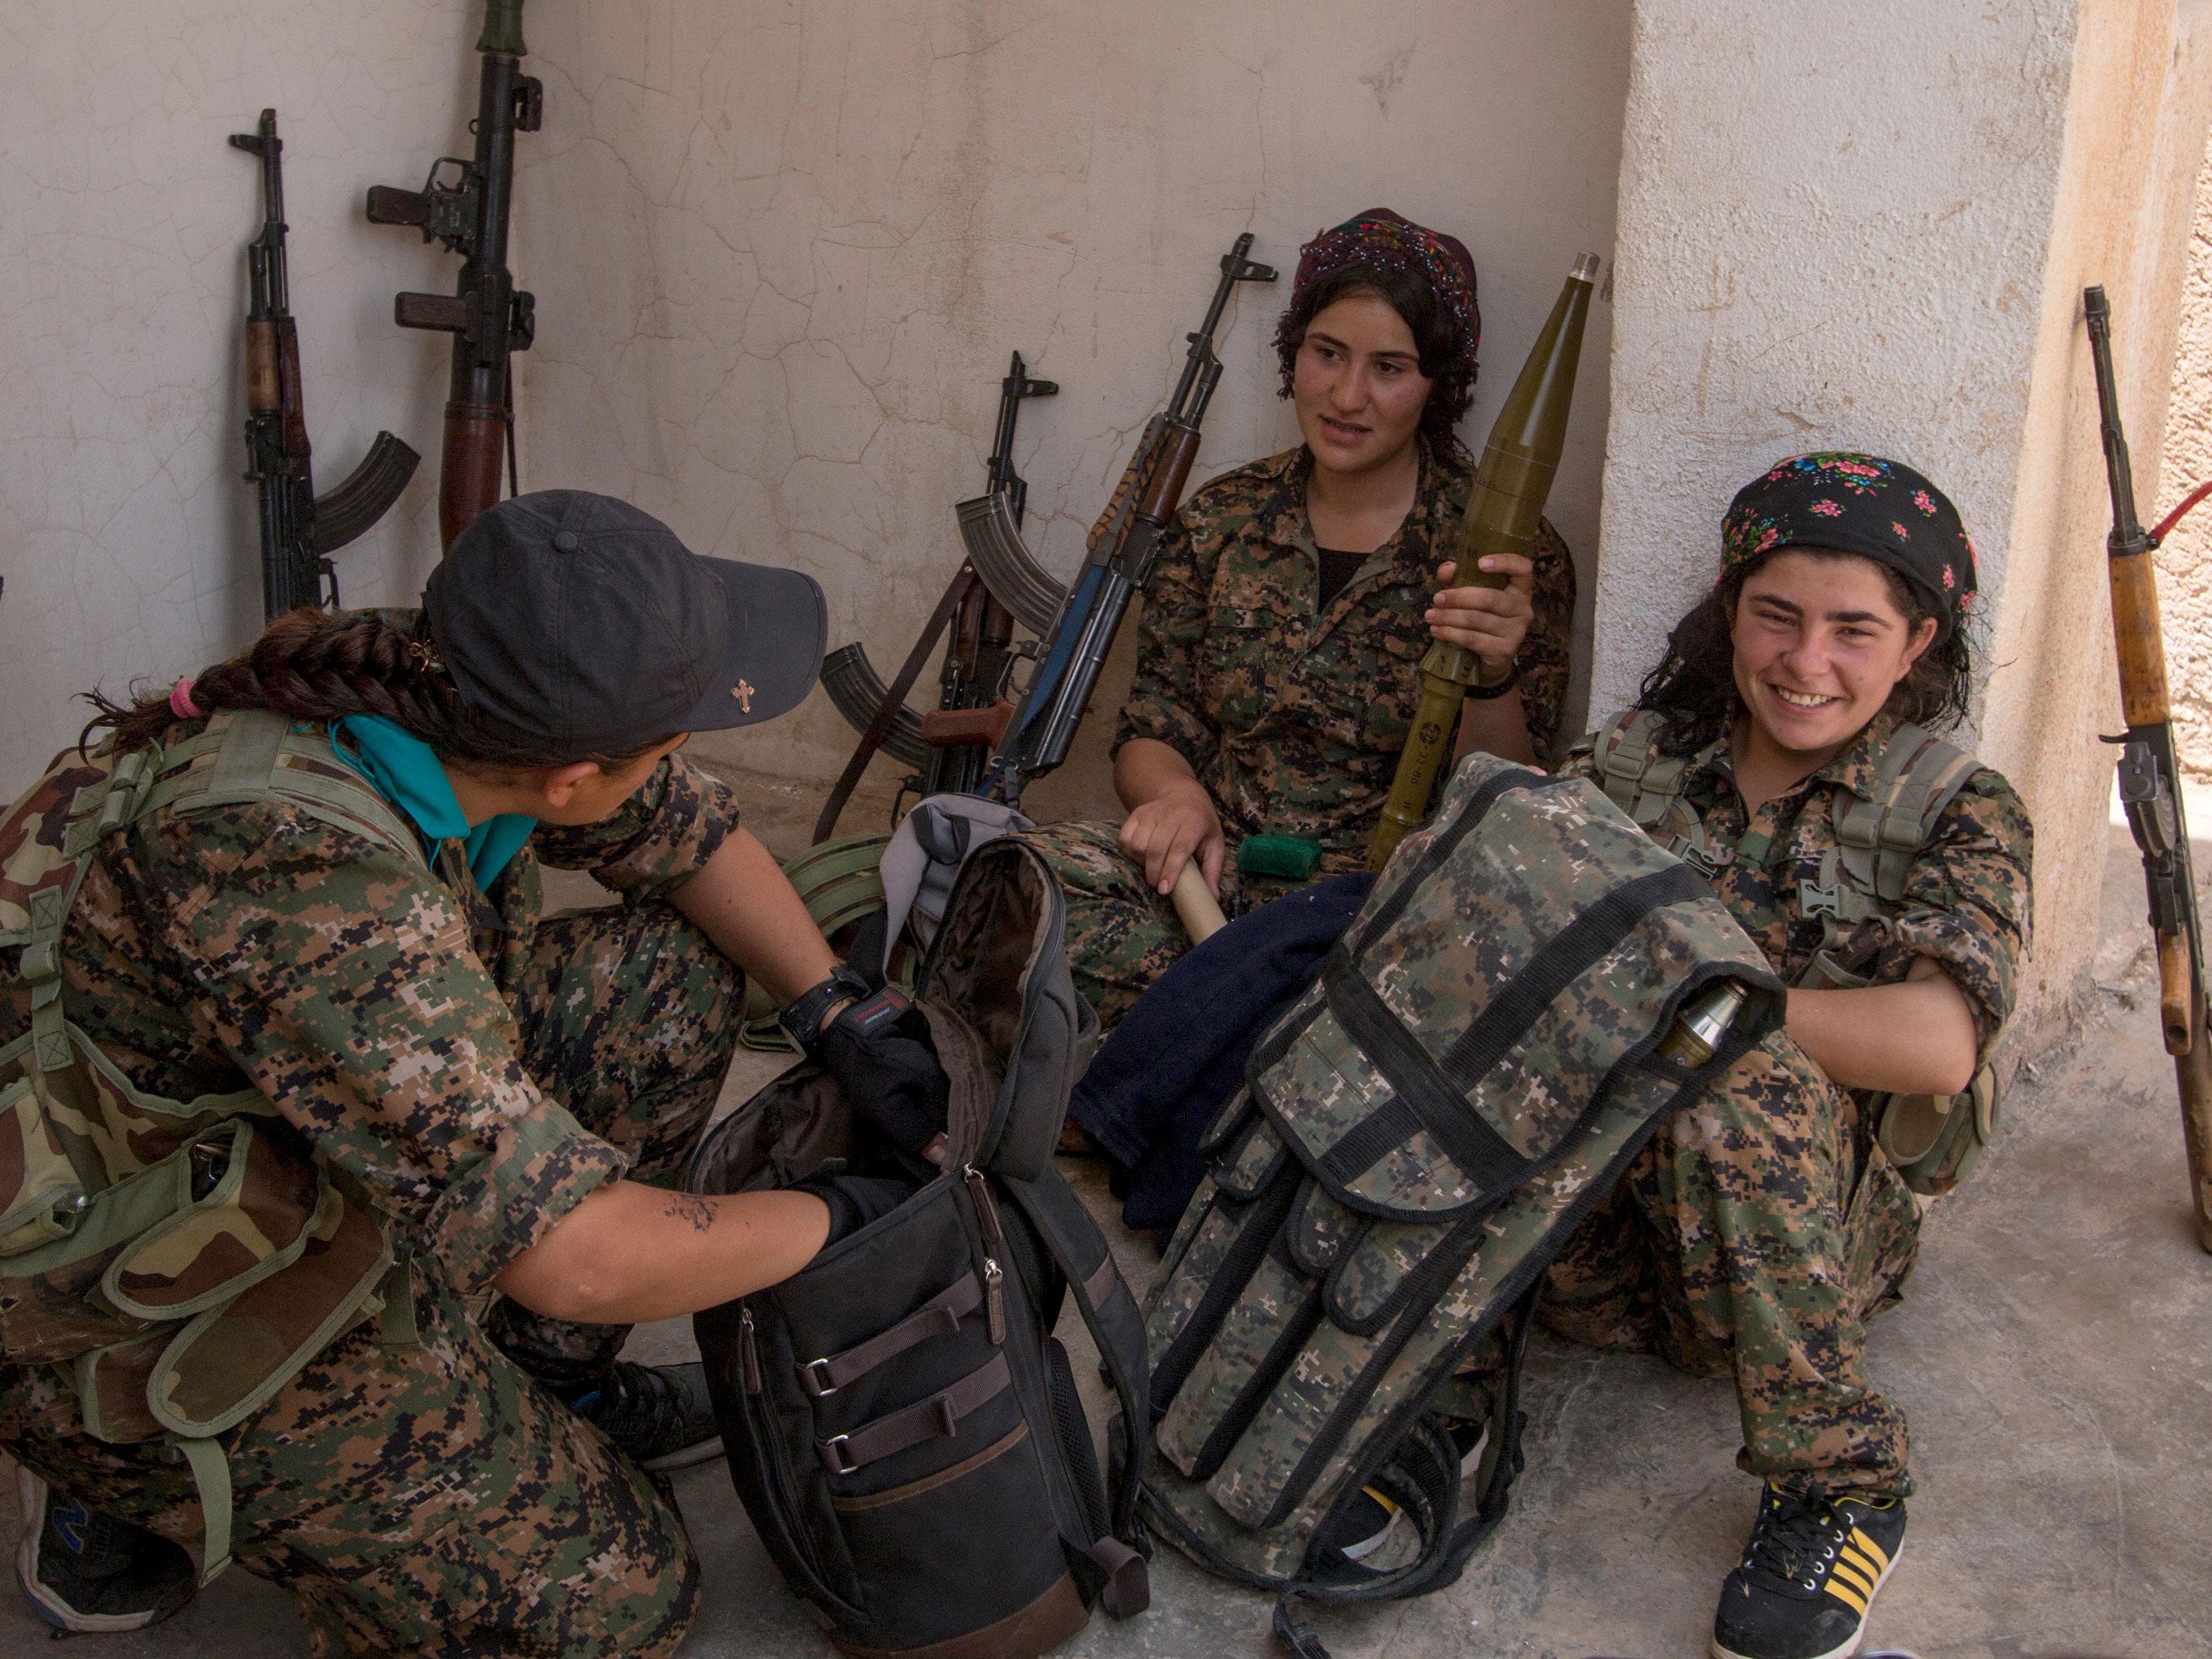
[327,922]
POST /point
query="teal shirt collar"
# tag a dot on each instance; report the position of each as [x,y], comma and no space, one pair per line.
[407,773]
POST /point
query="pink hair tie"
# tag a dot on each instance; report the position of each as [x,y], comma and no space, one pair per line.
[181,699]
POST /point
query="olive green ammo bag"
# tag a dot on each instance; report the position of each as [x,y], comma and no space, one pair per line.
[1415,1142]
[177,1261]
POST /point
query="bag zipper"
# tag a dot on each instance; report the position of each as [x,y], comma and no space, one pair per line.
[790,1519]
[987,1214]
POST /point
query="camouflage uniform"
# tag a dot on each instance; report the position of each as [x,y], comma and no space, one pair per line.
[1763,1227]
[1292,721]
[478,1070]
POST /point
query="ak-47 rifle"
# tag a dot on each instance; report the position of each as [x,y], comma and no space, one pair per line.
[951,744]
[1123,544]
[487,315]
[299,531]
[2150,775]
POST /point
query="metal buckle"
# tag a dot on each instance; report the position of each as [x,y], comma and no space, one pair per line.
[815,1373]
[834,1446]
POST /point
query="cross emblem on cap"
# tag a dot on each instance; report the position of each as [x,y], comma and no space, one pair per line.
[744,694]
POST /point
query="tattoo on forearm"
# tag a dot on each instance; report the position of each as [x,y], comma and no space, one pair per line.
[692,1208]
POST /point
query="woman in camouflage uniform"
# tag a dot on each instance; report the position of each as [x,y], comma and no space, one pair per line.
[1762,1227]
[1287,617]
[514,1093]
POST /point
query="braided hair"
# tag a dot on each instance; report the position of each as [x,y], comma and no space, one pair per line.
[322,666]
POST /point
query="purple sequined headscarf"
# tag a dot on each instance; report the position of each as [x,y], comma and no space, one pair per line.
[1388,241]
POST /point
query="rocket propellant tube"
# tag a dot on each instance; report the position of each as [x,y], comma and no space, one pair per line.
[1504,514]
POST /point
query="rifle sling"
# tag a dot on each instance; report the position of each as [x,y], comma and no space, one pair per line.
[894,700]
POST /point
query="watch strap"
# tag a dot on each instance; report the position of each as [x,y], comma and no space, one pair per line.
[801,1018]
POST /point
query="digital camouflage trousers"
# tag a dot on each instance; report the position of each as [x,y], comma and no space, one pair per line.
[1754,1236]
[429,1498]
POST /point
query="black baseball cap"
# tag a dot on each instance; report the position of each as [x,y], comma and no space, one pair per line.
[582,622]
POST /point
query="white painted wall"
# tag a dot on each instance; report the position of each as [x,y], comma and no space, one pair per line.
[2185,562]
[126,532]
[782,248]
[1866,226]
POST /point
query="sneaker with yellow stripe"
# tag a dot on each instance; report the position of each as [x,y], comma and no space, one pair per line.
[1808,1575]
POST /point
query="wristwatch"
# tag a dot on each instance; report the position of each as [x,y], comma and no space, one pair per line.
[801,1018]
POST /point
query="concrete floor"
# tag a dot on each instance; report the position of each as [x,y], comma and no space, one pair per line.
[2052,1353]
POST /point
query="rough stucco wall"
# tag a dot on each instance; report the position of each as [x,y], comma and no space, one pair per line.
[782,249]
[2135,138]
[2185,562]
[126,533]
[1828,242]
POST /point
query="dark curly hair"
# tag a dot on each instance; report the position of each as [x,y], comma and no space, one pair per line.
[1436,338]
[322,666]
[1694,689]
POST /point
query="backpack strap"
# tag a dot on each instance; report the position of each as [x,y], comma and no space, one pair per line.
[1880,835]
[1117,1325]
[1648,785]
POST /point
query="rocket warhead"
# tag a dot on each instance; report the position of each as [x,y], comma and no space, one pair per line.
[1586,268]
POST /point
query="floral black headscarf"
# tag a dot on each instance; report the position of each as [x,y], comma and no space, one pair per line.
[1881,509]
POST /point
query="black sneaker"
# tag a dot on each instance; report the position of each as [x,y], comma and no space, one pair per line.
[85,1573]
[1808,1575]
[661,1415]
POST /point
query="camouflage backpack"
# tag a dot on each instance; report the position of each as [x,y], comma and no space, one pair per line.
[178,1261]
[1934,1140]
[1415,1141]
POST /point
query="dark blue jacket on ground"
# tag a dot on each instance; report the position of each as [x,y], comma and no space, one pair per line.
[1179,1054]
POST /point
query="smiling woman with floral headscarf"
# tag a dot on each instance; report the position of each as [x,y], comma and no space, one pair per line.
[1292,603]
[1783,746]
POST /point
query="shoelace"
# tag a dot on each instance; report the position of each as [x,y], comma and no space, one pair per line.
[1794,1539]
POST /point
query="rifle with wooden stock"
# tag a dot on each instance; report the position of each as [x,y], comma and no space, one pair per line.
[949,745]
[487,316]
[299,529]
[1123,544]
[2150,774]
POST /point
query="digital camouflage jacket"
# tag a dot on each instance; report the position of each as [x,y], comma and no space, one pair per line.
[1294,721]
[259,946]
[1968,902]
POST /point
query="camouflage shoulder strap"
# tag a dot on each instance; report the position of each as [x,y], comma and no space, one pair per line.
[1880,835]
[1648,787]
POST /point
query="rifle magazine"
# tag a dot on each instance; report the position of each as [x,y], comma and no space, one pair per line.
[366,493]
[1003,560]
[859,691]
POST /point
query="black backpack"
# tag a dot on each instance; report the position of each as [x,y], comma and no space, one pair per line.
[902,1426]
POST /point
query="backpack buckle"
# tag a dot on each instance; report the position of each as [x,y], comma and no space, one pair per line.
[835,1453]
[815,1373]
[1706,862]
[1817,900]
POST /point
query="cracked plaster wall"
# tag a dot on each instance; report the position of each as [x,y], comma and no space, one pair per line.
[1867,227]
[781,249]
[127,539]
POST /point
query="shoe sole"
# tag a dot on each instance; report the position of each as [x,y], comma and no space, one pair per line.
[683,1458]
[30,1508]
[1858,1637]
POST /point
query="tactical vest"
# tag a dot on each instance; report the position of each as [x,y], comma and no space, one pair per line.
[1934,1140]
[177,1261]
[1416,1140]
